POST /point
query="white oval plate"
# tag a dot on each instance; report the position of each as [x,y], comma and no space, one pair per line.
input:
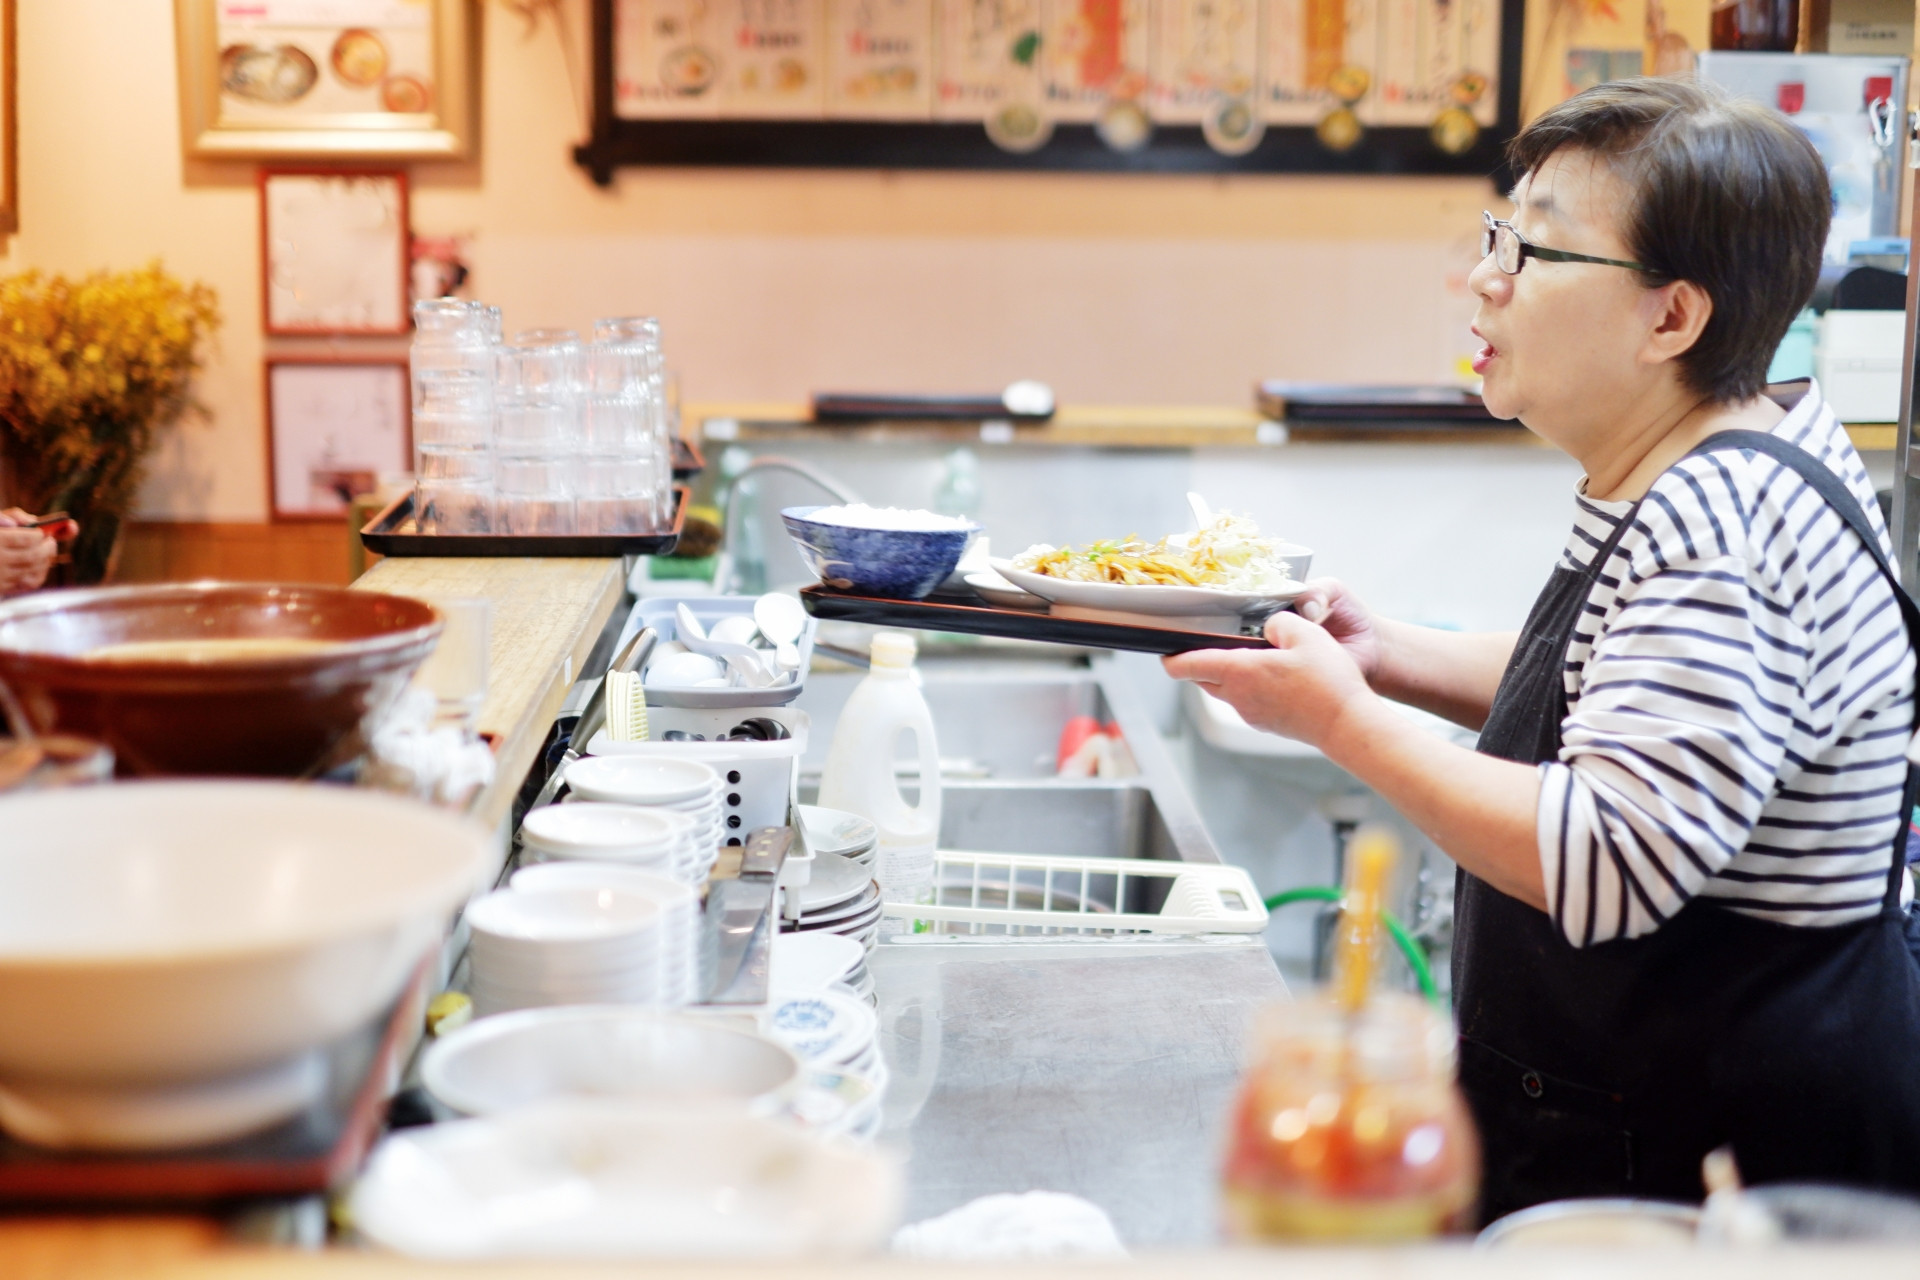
[1164,602]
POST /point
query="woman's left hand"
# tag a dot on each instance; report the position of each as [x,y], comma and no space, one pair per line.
[1299,688]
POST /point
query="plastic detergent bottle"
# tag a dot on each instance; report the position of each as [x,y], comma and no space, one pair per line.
[859,774]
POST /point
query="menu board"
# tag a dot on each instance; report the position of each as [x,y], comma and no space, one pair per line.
[774,65]
[1399,85]
[1203,52]
[880,59]
[666,59]
[1093,53]
[987,56]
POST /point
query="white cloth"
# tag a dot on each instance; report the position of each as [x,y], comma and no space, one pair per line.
[1010,1228]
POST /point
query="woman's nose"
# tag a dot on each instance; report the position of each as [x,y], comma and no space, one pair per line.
[1488,281]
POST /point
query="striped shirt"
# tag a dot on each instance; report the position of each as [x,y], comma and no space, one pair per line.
[1740,690]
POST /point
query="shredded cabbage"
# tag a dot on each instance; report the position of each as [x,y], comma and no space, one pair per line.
[1227,555]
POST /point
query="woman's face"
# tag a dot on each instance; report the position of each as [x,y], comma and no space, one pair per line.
[1567,343]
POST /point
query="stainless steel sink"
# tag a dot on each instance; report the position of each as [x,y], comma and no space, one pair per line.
[999,726]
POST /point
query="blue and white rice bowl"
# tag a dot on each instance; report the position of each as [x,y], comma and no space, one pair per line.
[901,563]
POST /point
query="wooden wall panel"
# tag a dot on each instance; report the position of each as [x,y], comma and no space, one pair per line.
[170,551]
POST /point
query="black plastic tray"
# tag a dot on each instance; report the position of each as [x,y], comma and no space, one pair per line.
[688,461]
[314,1151]
[975,617]
[391,533]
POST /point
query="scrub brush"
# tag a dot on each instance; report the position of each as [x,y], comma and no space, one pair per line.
[626,707]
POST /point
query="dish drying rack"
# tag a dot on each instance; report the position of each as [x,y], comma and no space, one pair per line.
[1035,895]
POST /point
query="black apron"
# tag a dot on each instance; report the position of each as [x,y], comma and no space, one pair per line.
[1611,1070]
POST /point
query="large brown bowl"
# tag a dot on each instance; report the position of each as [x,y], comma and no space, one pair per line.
[288,716]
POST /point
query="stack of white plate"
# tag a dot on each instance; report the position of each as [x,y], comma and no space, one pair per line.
[836,831]
[687,787]
[536,947]
[680,976]
[830,1031]
[656,839]
[840,897]
[819,961]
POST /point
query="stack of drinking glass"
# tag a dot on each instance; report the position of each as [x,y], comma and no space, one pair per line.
[541,435]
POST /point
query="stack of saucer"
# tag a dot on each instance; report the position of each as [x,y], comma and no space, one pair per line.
[665,784]
[655,839]
[680,973]
[536,947]
[836,831]
[819,961]
[842,1103]
[830,1031]
[840,897]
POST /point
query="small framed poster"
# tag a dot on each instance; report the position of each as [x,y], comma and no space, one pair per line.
[333,252]
[334,426]
[9,131]
[366,79]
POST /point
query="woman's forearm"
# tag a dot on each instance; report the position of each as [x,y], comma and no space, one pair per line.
[1480,809]
[1453,674]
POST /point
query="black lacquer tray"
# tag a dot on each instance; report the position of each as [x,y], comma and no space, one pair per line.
[392,533]
[972,615]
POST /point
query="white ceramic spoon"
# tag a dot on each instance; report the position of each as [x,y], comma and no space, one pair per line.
[743,659]
[781,620]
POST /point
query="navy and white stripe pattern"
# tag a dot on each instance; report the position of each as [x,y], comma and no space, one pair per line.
[1740,691]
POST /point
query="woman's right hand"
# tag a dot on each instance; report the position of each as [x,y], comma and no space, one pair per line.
[1340,613]
[25,554]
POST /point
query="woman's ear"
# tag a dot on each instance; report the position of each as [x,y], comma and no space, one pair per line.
[1679,315]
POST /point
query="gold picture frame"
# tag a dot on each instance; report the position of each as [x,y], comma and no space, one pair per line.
[326,79]
[9,124]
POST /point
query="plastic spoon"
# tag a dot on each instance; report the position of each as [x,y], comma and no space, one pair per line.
[1202,513]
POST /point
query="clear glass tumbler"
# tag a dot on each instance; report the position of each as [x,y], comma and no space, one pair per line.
[539,384]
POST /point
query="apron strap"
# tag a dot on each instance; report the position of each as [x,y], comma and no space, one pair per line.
[1847,506]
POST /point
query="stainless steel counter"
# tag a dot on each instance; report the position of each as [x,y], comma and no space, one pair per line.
[1103,1069]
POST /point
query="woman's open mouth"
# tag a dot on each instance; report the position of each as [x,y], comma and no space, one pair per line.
[1483,357]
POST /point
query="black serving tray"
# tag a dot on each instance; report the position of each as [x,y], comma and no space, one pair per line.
[688,461]
[315,1151]
[392,533]
[973,616]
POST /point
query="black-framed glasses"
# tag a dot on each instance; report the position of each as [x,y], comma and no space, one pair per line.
[1511,250]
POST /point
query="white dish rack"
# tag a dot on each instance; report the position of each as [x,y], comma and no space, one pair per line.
[1037,895]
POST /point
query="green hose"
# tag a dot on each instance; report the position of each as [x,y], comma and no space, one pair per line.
[1416,957]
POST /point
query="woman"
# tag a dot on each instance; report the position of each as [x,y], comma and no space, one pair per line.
[1682,915]
[26,552]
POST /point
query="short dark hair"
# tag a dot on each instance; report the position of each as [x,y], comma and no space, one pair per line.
[1725,193]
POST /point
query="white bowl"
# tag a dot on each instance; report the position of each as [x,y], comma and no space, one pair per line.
[651,780]
[584,1051]
[586,1179]
[592,829]
[159,940]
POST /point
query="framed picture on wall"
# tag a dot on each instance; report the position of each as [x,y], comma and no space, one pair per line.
[334,425]
[333,252]
[9,131]
[326,78]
